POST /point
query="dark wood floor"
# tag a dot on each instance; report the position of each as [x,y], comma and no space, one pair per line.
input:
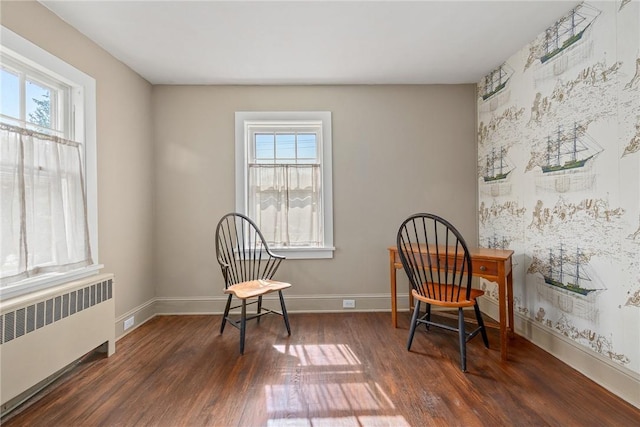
[335,370]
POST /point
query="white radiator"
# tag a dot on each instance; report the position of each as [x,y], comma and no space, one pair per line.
[43,332]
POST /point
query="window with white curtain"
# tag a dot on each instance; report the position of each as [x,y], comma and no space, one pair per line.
[283,179]
[48,225]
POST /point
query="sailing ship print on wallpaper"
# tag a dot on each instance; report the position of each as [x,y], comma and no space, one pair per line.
[494,87]
[559,177]
[568,272]
[493,90]
[495,172]
[495,81]
[564,44]
[566,159]
[497,166]
[568,283]
[568,150]
[566,33]
[497,242]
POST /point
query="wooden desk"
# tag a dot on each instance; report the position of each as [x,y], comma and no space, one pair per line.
[491,264]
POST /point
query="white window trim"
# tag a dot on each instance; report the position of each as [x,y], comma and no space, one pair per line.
[242,118]
[38,58]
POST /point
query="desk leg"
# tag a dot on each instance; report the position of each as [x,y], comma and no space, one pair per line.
[392,273]
[505,306]
[510,302]
[503,319]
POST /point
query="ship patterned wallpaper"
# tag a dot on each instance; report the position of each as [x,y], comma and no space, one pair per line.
[559,177]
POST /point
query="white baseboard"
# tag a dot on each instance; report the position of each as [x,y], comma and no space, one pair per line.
[295,304]
[140,314]
[613,377]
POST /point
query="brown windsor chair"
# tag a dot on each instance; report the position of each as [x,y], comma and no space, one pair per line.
[248,267]
[436,260]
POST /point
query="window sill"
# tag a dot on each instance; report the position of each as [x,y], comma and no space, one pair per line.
[305,253]
[47,281]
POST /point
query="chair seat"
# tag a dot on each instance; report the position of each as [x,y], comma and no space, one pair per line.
[255,288]
[451,291]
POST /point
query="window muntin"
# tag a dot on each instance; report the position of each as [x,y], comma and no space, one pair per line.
[286,147]
[283,179]
[289,147]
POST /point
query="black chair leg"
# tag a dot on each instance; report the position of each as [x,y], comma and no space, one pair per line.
[483,330]
[243,324]
[284,312]
[463,340]
[428,318]
[259,307]
[226,313]
[414,322]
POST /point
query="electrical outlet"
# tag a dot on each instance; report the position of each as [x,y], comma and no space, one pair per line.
[128,322]
[348,303]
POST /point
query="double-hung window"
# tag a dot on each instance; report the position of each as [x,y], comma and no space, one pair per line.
[283,179]
[48,224]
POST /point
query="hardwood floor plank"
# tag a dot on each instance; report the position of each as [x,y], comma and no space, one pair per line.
[348,369]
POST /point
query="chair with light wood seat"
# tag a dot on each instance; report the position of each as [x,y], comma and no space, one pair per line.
[437,262]
[248,267]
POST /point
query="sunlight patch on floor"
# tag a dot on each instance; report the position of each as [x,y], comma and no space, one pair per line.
[362,421]
[303,398]
[320,354]
[325,381]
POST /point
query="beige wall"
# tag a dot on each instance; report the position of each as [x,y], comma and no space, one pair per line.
[396,150]
[156,231]
[125,149]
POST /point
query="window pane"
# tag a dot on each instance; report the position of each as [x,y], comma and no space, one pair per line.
[38,103]
[10,90]
[285,147]
[264,147]
[307,146]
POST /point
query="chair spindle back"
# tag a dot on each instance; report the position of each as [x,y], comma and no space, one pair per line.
[242,251]
[435,257]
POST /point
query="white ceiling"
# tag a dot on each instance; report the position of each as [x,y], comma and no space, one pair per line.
[311,42]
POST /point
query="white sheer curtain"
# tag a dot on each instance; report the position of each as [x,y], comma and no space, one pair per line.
[43,215]
[284,201]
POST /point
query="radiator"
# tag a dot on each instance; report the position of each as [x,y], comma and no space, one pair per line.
[43,332]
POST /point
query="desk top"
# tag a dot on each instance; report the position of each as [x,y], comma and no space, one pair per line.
[481,253]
